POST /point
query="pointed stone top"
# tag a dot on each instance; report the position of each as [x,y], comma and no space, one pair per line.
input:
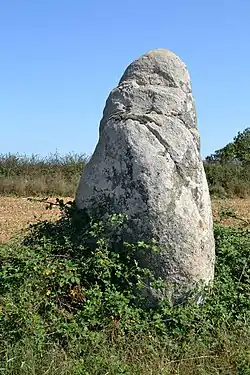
[161,52]
[158,67]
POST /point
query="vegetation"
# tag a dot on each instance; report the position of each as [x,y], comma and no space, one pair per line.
[70,291]
[56,174]
[69,304]
[228,169]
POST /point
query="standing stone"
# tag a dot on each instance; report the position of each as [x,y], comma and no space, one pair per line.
[147,165]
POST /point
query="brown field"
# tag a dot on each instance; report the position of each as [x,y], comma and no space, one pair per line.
[17,213]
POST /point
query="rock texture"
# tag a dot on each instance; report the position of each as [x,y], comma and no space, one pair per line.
[147,165]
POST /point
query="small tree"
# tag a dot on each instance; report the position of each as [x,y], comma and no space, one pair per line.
[237,151]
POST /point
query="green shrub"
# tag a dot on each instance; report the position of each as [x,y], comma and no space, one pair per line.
[228,169]
[70,304]
[228,180]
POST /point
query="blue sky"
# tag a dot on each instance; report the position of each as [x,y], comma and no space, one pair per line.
[60,58]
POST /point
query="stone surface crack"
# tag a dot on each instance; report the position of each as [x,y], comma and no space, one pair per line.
[167,77]
[167,148]
[145,120]
[178,116]
[142,118]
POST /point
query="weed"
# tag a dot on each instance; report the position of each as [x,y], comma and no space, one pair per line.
[71,304]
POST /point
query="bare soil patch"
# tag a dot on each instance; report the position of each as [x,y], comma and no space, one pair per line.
[241,208]
[17,214]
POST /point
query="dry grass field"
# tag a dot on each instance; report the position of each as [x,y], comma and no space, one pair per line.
[17,213]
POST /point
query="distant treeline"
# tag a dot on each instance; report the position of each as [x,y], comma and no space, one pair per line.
[227,170]
[228,180]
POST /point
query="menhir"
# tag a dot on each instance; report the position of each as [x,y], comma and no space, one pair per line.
[147,165]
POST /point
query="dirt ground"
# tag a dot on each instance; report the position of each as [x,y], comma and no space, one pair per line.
[17,213]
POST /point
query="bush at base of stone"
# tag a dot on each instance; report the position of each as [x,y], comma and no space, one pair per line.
[67,294]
